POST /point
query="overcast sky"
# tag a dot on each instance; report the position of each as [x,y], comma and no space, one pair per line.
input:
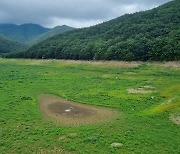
[75,13]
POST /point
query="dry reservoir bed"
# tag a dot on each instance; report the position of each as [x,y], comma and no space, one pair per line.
[69,113]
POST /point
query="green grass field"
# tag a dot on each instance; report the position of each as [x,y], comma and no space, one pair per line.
[144,125]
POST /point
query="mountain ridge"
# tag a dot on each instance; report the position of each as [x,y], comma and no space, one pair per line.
[147,35]
[21,33]
[52,32]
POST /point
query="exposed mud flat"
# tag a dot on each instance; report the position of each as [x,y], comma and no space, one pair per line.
[65,112]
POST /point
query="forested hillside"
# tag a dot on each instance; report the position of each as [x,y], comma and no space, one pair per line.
[148,35]
[52,32]
[10,46]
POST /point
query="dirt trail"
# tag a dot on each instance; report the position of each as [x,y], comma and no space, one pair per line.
[64,112]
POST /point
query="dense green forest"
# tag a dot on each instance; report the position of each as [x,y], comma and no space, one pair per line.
[9,46]
[52,32]
[147,35]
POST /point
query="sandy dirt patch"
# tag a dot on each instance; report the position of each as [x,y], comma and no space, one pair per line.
[119,64]
[149,87]
[116,63]
[116,144]
[175,119]
[139,91]
[65,112]
[172,64]
[168,101]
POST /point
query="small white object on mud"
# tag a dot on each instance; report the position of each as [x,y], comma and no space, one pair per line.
[68,110]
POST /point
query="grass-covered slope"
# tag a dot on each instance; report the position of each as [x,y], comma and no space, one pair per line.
[21,33]
[148,35]
[52,32]
[10,46]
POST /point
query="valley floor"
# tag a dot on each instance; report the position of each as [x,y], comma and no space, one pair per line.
[146,94]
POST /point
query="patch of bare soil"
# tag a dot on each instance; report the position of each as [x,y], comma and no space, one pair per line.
[116,144]
[175,119]
[65,112]
[149,87]
[100,63]
[139,91]
[173,64]
[169,101]
[116,63]
[130,73]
